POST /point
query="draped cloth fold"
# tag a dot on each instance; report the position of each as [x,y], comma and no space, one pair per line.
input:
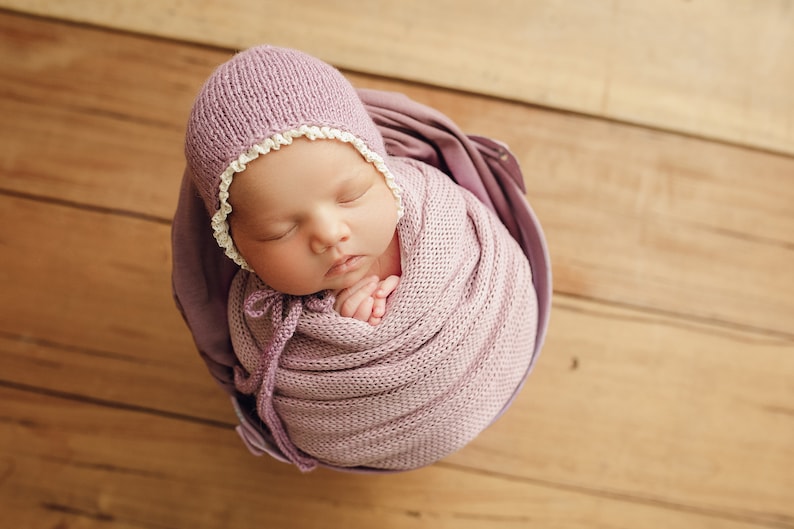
[203,285]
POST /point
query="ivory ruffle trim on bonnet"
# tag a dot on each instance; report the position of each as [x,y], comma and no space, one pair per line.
[220,223]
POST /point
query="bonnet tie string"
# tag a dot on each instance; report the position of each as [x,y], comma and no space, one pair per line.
[263,380]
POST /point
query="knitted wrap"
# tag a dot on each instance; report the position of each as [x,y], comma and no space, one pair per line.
[457,340]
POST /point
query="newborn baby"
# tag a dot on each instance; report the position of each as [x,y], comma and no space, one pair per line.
[380,315]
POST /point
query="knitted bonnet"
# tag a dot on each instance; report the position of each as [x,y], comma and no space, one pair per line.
[259,101]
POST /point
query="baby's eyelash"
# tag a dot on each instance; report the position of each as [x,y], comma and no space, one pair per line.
[278,236]
[350,198]
[353,196]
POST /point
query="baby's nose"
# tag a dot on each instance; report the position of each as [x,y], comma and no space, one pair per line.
[329,232]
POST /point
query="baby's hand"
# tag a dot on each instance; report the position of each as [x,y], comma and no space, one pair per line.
[366,300]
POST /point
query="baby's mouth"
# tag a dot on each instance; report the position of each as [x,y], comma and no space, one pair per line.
[344,265]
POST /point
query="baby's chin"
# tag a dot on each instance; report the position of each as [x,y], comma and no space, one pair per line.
[347,282]
[327,286]
[352,279]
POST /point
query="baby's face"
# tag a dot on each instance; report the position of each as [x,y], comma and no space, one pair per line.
[311,216]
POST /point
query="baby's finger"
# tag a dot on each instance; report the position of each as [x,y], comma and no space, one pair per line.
[379,307]
[387,286]
[350,306]
[343,295]
[364,309]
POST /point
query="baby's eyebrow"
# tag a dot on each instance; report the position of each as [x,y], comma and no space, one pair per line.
[272,219]
[261,219]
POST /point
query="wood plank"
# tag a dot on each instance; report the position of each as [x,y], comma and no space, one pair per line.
[89,292]
[160,380]
[658,407]
[88,279]
[708,68]
[98,125]
[633,216]
[68,463]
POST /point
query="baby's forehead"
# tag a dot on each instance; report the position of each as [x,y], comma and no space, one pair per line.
[281,179]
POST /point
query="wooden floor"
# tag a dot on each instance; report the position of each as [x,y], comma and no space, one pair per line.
[657,140]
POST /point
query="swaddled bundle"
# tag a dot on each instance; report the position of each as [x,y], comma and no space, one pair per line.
[459,334]
[456,341]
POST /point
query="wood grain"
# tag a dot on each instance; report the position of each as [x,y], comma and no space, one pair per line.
[75,464]
[713,68]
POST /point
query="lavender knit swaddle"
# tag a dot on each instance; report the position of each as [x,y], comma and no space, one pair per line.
[456,341]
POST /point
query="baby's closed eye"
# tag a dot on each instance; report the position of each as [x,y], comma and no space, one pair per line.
[277,234]
[352,195]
